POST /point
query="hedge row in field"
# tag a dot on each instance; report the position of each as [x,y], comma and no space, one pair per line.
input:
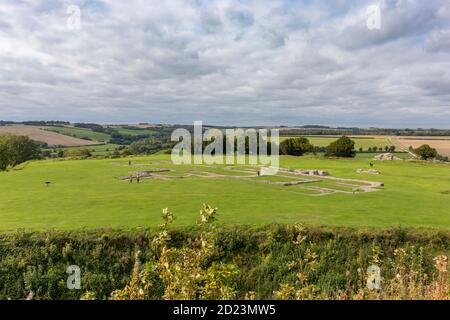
[34,264]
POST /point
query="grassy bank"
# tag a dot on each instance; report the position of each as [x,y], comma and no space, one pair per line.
[88,193]
[36,262]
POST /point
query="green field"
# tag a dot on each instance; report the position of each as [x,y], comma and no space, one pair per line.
[88,193]
[96,150]
[360,142]
[134,132]
[80,133]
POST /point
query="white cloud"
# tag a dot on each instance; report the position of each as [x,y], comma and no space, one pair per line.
[226,62]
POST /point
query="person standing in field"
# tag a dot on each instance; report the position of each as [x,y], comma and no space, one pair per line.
[131,179]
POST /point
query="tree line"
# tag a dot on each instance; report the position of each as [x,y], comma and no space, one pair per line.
[343,147]
[15,150]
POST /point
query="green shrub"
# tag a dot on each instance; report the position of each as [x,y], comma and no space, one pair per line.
[37,262]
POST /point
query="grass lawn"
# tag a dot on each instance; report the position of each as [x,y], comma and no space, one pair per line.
[97,150]
[87,193]
[80,133]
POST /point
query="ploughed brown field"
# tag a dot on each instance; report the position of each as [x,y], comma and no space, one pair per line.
[51,138]
[441,144]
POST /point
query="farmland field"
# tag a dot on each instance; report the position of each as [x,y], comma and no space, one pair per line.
[80,133]
[38,134]
[442,144]
[96,150]
[96,193]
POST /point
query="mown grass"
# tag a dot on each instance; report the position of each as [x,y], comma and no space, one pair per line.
[87,193]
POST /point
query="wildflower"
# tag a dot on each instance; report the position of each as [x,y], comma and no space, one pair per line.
[441,263]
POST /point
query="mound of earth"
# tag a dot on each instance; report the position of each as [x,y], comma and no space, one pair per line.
[386,157]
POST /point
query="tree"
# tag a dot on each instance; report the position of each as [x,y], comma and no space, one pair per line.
[147,146]
[4,157]
[426,152]
[15,150]
[126,153]
[343,147]
[77,153]
[295,146]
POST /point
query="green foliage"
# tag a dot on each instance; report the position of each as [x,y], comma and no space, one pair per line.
[426,152]
[147,146]
[77,153]
[187,272]
[295,146]
[343,147]
[274,261]
[15,150]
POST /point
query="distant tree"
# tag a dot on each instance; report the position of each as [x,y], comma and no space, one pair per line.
[442,158]
[4,156]
[15,150]
[360,149]
[295,146]
[126,153]
[426,152]
[115,154]
[77,153]
[343,147]
[392,149]
[146,146]
[46,153]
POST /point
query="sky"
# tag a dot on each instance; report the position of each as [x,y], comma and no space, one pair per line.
[227,62]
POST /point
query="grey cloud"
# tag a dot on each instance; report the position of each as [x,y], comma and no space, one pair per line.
[226,62]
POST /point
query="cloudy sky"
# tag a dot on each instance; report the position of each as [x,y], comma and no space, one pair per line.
[230,62]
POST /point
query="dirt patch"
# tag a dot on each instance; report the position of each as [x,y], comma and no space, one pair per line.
[370,171]
[51,138]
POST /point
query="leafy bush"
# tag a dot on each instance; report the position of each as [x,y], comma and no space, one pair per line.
[295,146]
[343,147]
[15,150]
[273,261]
[426,152]
[77,153]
